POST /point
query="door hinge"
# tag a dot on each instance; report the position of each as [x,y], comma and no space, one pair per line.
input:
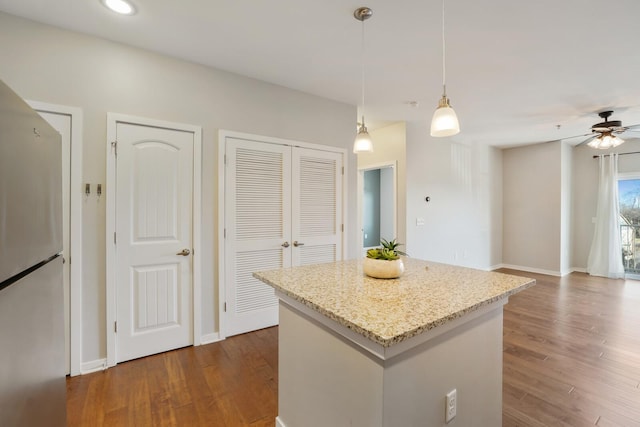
[225,307]
[115,327]
[114,148]
[225,233]
[114,237]
[343,170]
[225,160]
[342,227]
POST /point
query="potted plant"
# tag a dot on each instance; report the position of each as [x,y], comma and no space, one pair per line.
[384,262]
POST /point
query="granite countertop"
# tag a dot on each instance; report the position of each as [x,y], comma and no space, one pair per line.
[428,295]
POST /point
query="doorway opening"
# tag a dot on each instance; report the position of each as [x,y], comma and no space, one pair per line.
[377,204]
[68,122]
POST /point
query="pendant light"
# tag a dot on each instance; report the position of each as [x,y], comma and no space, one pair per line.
[444,121]
[363,142]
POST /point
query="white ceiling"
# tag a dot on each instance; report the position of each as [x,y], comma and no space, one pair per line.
[515,69]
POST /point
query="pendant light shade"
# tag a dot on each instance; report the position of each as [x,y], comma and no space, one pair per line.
[363,142]
[444,121]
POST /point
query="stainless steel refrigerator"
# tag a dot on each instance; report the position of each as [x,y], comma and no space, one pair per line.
[32,354]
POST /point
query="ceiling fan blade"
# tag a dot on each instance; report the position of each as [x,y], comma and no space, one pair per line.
[588,140]
[633,128]
[577,136]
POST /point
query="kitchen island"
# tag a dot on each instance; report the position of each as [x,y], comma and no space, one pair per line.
[358,351]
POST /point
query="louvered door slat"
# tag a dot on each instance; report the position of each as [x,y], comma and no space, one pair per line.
[259,194]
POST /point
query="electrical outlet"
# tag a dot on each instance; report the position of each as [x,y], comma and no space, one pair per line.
[450,410]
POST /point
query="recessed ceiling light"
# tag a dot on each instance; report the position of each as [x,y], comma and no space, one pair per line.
[122,7]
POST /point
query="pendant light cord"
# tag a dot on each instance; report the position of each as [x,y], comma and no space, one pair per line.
[362,70]
[444,68]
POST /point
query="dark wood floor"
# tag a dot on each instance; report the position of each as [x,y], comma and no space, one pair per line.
[571,358]
[230,383]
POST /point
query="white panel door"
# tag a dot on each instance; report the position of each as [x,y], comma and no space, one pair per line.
[316,206]
[258,230]
[154,197]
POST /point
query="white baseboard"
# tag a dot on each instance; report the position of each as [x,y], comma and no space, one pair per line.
[210,338]
[279,422]
[537,270]
[93,366]
[101,364]
[532,270]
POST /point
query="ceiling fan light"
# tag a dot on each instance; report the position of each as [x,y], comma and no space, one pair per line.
[601,143]
[606,141]
[444,121]
[617,141]
[363,142]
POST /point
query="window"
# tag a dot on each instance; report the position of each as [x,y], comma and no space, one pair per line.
[629,203]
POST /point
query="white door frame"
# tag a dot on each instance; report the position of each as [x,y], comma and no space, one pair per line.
[222,137]
[360,185]
[75,229]
[112,121]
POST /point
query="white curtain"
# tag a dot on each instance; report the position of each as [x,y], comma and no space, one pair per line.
[605,257]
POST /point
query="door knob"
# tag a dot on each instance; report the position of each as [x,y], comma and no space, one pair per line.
[296,243]
[285,245]
[184,252]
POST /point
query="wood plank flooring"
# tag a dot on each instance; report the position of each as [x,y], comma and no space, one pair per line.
[230,383]
[572,353]
[571,358]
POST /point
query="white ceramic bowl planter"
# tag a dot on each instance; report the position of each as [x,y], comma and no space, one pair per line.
[382,268]
[384,262]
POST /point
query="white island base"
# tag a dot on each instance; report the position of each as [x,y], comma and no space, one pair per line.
[330,376]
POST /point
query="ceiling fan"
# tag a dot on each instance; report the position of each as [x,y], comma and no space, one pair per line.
[604,135]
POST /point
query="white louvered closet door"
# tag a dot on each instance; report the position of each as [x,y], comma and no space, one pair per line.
[257,223]
[316,206]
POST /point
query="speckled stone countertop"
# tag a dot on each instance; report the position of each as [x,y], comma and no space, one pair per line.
[428,295]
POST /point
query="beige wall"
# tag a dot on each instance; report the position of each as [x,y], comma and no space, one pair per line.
[566,183]
[390,145]
[550,201]
[42,63]
[532,207]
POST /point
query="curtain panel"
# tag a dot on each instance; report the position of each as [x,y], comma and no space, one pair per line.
[605,256]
